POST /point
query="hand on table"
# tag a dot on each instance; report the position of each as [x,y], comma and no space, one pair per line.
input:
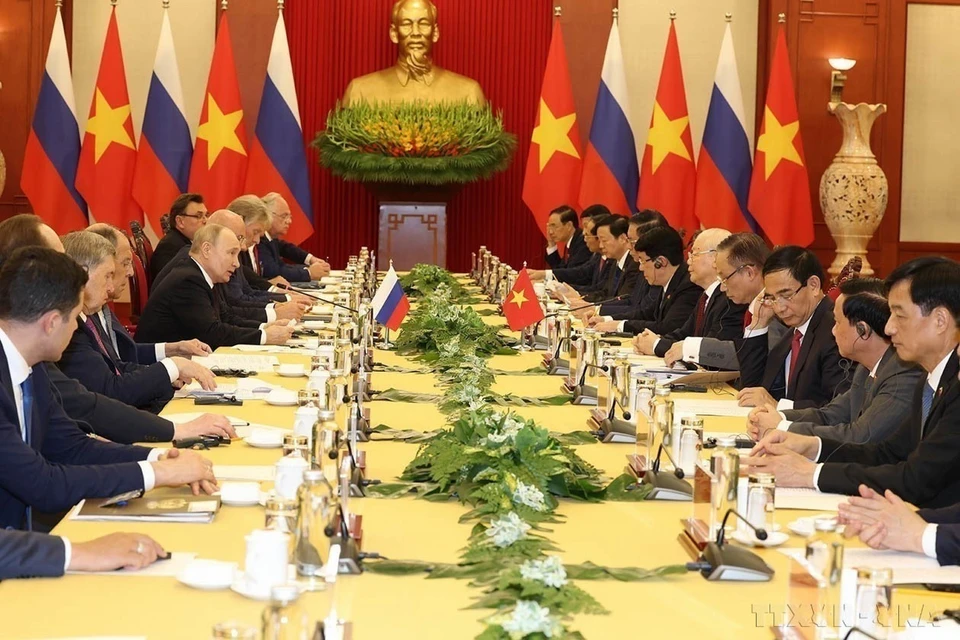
[115,551]
[536,275]
[604,326]
[755,397]
[882,521]
[190,371]
[188,348]
[761,420]
[278,333]
[318,270]
[674,354]
[645,342]
[791,469]
[177,467]
[776,441]
[209,424]
[288,310]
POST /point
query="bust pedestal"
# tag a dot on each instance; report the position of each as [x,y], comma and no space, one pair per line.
[412,225]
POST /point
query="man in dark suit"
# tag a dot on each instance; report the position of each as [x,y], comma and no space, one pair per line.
[920,461]
[660,254]
[879,396]
[95,413]
[256,217]
[184,305]
[620,272]
[644,297]
[803,368]
[187,214]
[739,264]
[26,554]
[300,265]
[90,360]
[563,228]
[46,462]
[714,315]
[588,273]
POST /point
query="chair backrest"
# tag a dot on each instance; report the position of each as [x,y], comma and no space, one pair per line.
[165,223]
[142,247]
[139,287]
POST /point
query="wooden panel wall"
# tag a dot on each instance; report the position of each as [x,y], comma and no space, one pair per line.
[25,27]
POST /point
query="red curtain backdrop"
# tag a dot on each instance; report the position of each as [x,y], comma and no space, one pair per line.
[500,43]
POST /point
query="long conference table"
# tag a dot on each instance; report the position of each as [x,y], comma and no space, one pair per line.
[379,606]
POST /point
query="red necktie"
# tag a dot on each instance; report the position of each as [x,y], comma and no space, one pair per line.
[103,347]
[747,318]
[794,356]
[701,311]
[256,259]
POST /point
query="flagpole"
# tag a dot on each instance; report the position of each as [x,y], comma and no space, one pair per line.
[386,345]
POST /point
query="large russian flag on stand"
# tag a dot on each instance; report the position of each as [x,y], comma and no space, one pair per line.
[611,173]
[165,149]
[390,304]
[278,161]
[725,163]
[53,147]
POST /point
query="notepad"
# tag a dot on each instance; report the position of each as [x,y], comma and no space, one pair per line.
[710,407]
[159,569]
[185,508]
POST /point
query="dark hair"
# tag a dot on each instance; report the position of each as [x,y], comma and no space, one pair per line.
[618,225]
[868,307]
[179,206]
[22,230]
[662,241]
[934,282]
[745,248]
[567,214]
[854,286]
[801,263]
[648,215]
[595,210]
[647,226]
[36,280]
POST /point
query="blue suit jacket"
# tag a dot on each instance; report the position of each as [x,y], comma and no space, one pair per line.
[128,349]
[61,465]
[30,555]
[143,386]
[272,253]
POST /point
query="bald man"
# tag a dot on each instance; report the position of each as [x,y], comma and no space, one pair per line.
[281,258]
[714,316]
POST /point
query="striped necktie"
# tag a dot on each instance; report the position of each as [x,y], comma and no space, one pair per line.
[26,390]
[103,348]
[926,403]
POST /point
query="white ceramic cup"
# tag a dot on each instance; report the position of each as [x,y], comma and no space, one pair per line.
[267,557]
[291,370]
[311,342]
[289,475]
[266,435]
[303,423]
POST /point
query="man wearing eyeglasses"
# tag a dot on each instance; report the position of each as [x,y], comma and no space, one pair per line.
[187,214]
[803,369]
[301,266]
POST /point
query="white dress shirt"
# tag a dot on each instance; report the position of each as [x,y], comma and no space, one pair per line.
[159,348]
[709,292]
[20,370]
[552,250]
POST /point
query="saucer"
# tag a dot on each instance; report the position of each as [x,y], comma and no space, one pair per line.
[803,527]
[291,374]
[281,398]
[774,539]
[259,592]
[208,575]
[240,494]
[264,444]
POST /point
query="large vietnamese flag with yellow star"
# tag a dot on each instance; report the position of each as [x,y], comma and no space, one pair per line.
[668,176]
[108,154]
[553,166]
[219,166]
[780,189]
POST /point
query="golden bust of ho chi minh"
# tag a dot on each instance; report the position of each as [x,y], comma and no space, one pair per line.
[414,30]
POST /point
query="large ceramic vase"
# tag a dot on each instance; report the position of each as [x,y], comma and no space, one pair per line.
[853,189]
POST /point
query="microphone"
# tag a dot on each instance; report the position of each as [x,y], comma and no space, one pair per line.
[592,304]
[760,532]
[324,300]
[666,486]
[677,470]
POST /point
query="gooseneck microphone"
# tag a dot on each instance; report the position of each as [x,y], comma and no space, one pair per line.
[760,532]
[677,470]
[318,298]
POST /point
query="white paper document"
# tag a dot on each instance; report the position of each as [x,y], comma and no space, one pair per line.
[907,567]
[159,569]
[237,361]
[711,407]
[254,473]
[809,499]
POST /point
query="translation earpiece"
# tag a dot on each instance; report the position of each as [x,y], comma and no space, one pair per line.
[863,331]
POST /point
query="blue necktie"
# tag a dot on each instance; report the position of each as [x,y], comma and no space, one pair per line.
[26,389]
[925,404]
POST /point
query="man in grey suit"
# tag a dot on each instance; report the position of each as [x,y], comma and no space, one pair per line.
[882,390]
[24,554]
[740,259]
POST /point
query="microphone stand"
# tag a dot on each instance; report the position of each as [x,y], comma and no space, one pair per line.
[721,562]
[557,366]
[666,486]
[319,299]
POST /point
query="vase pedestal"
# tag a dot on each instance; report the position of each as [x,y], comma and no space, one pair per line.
[412,224]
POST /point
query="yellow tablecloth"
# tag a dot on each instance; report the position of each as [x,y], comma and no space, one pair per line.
[612,534]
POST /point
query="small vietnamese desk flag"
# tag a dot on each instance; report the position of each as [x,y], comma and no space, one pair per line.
[522,309]
[780,189]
